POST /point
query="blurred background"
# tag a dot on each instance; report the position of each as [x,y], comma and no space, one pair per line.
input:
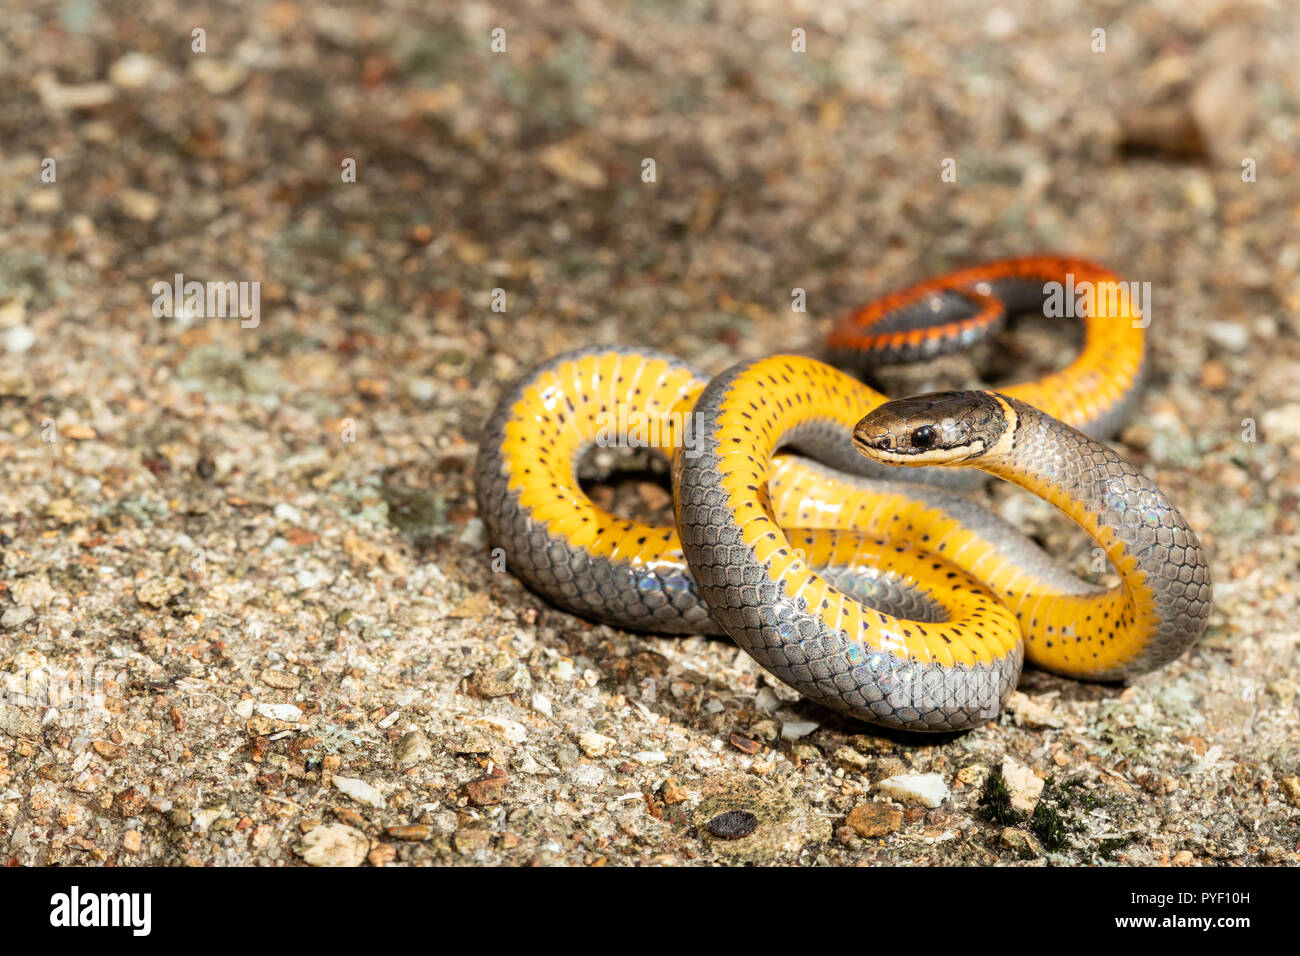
[204,501]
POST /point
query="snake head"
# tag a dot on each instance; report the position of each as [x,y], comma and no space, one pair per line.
[941,428]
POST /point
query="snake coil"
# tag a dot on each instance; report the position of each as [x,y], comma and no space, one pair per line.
[899,603]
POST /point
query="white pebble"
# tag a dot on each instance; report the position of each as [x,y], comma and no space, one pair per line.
[334,844]
[509,730]
[286,712]
[287,512]
[360,791]
[1024,784]
[563,670]
[524,762]
[134,71]
[588,775]
[206,817]
[927,789]
[999,23]
[766,700]
[1228,335]
[19,339]
[34,591]
[594,744]
[423,390]
[1281,424]
[794,729]
[16,616]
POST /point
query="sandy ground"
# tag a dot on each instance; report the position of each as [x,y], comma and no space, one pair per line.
[247,611]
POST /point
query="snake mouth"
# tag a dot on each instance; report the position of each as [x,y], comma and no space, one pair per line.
[916,447]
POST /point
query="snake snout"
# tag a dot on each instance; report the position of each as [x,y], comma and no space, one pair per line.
[885,435]
[871,438]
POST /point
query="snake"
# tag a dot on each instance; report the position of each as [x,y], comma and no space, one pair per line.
[811,528]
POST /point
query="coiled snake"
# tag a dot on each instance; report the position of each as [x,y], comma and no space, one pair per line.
[900,603]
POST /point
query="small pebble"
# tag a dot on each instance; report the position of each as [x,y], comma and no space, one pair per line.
[334,844]
[874,819]
[411,834]
[594,744]
[487,791]
[361,791]
[134,71]
[158,592]
[794,729]
[289,713]
[850,759]
[1281,424]
[19,339]
[732,825]
[382,855]
[280,679]
[1228,335]
[218,76]
[1025,786]
[673,792]
[927,789]
[1020,841]
[1032,713]
[16,616]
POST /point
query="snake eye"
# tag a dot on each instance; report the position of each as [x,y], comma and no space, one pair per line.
[924,437]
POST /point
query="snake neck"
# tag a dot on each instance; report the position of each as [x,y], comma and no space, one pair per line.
[1164,597]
